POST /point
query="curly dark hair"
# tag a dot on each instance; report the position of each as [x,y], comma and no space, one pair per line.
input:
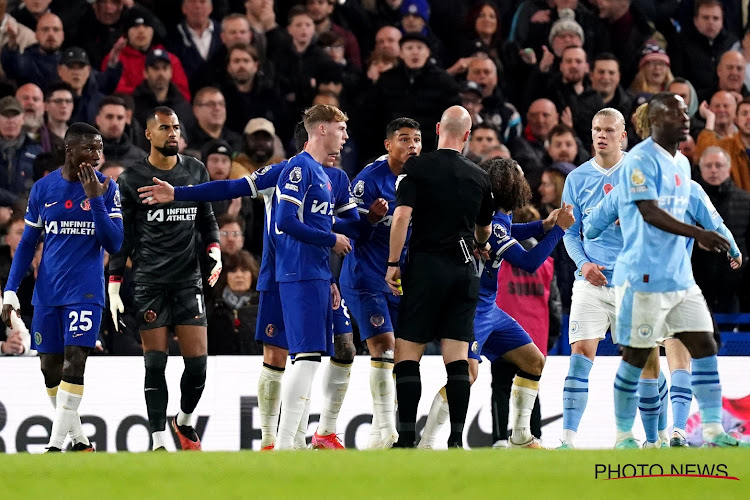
[509,187]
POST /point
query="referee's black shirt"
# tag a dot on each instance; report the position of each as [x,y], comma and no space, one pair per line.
[449,195]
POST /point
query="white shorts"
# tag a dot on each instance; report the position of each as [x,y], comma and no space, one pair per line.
[592,312]
[644,319]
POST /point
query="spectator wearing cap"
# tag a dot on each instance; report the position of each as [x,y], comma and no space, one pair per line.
[627,28]
[298,60]
[13,31]
[654,73]
[38,63]
[696,50]
[140,35]
[320,11]
[210,111]
[247,92]
[725,290]
[111,121]
[197,41]
[158,89]
[259,144]
[103,24]
[17,150]
[471,99]
[731,74]
[416,88]
[89,86]
[58,107]
[415,18]
[496,109]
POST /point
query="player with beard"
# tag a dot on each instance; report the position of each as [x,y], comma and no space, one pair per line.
[163,244]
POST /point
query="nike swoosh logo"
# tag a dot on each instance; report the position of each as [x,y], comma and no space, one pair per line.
[77,335]
[50,204]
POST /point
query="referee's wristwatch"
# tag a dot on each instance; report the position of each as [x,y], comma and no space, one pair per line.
[393,264]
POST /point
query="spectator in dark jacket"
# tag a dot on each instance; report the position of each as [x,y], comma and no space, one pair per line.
[158,89]
[58,105]
[17,150]
[210,110]
[111,121]
[416,88]
[320,11]
[695,52]
[38,63]
[89,86]
[628,29]
[725,290]
[196,41]
[529,149]
[234,310]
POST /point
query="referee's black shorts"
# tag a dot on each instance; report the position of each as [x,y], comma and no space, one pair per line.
[440,299]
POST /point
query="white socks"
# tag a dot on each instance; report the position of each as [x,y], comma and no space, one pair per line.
[437,416]
[300,439]
[160,439]
[184,418]
[522,398]
[68,399]
[335,384]
[383,391]
[294,396]
[76,432]
[569,437]
[269,403]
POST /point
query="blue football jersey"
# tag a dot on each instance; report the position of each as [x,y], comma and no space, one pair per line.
[340,189]
[500,240]
[304,183]
[365,266]
[263,182]
[72,266]
[653,260]
[584,188]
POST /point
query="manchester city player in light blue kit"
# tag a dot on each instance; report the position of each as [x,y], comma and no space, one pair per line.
[592,310]
[497,334]
[700,211]
[656,297]
[304,219]
[79,211]
[363,286]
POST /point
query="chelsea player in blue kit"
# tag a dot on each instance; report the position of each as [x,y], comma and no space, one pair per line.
[304,219]
[656,297]
[498,335]
[700,211]
[79,211]
[592,311]
[362,278]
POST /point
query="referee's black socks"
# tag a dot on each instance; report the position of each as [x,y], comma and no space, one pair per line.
[457,390]
[408,392]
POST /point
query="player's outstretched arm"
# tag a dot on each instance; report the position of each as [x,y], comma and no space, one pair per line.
[708,240]
[164,192]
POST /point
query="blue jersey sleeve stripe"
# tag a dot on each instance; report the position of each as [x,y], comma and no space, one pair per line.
[346,207]
[506,246]
[115,216]
[37,224]
[290,199]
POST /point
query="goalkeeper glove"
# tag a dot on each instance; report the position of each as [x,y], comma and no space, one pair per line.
[214,254]
[115,302]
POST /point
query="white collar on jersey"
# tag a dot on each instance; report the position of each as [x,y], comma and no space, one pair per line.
[672,159]
[611,170]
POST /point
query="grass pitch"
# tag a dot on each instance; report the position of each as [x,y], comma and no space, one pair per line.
[486,473]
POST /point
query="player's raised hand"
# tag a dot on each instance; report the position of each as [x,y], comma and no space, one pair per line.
[393,279]
[91,185]
[214,253]
[10,304]
[565,218]
[160,192]
[378,209]
[712,241]
[342,246]
[593,274]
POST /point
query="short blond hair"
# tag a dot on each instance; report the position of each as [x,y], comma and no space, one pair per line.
[322,113]
[611,113]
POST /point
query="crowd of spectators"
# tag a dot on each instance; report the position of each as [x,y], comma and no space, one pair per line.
[532,74]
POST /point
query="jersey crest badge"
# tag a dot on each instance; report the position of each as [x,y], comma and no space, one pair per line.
[637,177]
[86,205]
[295,175]
[499,231]
[359,189]
[117,200]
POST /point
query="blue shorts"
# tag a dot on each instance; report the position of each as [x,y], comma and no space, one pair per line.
[374,312]
[308,315]
[495,333]
[270,328]
[53,328]
[342,319]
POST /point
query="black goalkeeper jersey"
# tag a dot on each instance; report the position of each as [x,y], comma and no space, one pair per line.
[162,239]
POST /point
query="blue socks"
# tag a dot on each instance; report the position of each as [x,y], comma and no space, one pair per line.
[681,395]
[626,395]
[663,393]
[707,389]
[650,405]
[576,391]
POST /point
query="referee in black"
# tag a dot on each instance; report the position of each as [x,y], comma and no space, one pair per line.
[449,202]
